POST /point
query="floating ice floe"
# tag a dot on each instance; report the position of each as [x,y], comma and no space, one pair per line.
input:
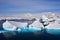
[12,26]
[36,25]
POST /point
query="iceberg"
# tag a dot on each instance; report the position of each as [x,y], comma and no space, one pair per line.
[53,28]
[12,26]
[53,25]
[8,26]
[36,25]
[19,25]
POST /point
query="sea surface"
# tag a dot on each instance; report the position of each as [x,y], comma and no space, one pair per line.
[30,35]
[54,31]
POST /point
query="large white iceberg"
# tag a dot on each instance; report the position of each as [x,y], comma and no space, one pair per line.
[8,26]
[36,25]
[11,25]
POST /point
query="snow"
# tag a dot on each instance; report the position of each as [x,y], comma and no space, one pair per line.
[19,24]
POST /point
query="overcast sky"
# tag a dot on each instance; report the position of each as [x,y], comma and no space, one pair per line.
[29,6]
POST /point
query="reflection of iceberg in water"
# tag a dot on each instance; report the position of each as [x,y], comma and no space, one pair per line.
[9,34]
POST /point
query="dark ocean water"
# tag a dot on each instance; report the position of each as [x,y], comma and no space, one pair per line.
[37,35]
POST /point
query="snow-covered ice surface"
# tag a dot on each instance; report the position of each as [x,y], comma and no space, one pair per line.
[22,25]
